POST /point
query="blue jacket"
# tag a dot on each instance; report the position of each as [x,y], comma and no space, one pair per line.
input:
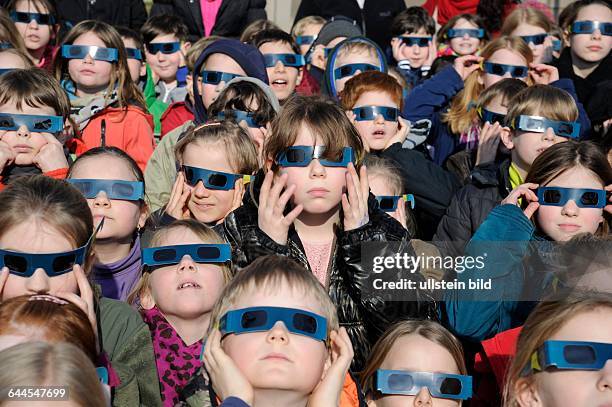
[233,402]
[432,98]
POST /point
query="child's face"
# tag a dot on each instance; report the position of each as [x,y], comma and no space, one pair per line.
[502,56]
[24,143]
[497,105]
[561,223]
[310,29]
[36,36]
[541,53]
[415,54]
[376,133]
[345,58]
[278,359]
[527,146]
[163,65]
[209,205]
[36,236]
[417,354]
[221,63]
[592,47]
[121,218]
[578,387]
[465,45]
[318,188]
[165,283]
[89,75]
[137,68]
[380,186]
[283,79]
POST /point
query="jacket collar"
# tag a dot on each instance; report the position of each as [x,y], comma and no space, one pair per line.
[566,68]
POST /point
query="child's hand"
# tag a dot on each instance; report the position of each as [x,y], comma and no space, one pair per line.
[260,140]
[403,128]
[433,53]
[542,74]
[3,277]
[7,155]
[524,191]
[467,64]
[329,389]
[177,205]
[237,199]
[488,142]
[272,204]
[51,156]
[355,205]
[608,208]
[226,378]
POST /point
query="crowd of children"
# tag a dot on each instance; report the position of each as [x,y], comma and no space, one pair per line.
[189,223]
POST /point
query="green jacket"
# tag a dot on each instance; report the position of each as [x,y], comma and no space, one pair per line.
[155,106]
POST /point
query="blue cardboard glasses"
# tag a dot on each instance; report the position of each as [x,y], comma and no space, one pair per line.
[5,70]
[34,123]
[114,189]
[42,19]
[200,253]
[539,124]
[388,203]
[6,45]
[259,319]
[556,45]
[212,179]
[301,156]
[133,53]
[569,355]
[364,113]
[216,77]
[420,41]
[584,198]
[305,39]
[238,116]
[292,60]
[537,39]
[350,70]
[97,53]
[163,47]
[489,116]
[515,71]
[461,32]
[588,27]
[440,385]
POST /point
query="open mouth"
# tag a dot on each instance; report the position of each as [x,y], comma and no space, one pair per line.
[378,134]
[279,83]
[188,284]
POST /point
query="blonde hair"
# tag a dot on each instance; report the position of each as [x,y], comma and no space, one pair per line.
[196,49]
[526,15]
[383,167]
[459,117]
[299,27]
[545,101]
[357,47]
[255,28]
[44,364]
[545,320]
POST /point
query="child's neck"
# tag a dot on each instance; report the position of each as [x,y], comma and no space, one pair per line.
[583,68]
[37,54]
[109,251]
[317,227]
[521,167]
[170,83]
[278,398]
[190,330]
[86,91]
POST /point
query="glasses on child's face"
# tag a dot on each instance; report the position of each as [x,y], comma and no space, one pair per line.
[133,53]
[292,60]
[410,41]
[537,39]
[556,45]
[388,203]
[569,355]
[408,383]
[114,189]
[364,113]
[583,197]
[200,253]
[216,77]
[5,70]
[163,47]
[212,179]
[26,18]
[516,71]
[6,45]
[461,32]
[490,116]
[302,156]
[95,52]
[238,116]
[305,39]
[259,319]
[537,124]
[34,123]
[351,69]
[588,27]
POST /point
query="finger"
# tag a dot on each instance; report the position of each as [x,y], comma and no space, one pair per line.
[85,290]
[279,208]
[3,277]
[291,216]
[351,194]
[531,196]
[365,184]
[50,138]
[265,189]
[531,208]
[346,207]
[275,192]
[609,189]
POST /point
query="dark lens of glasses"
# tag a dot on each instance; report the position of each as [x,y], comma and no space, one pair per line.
[585,26]
[122,190]
[189,176]
[7,122]
[102,53]
[363,113]
[422,42]
[400,382]
[499,118]
[209,252]
[565,128]
[534,124]
[579,354]
[212,77]
[63,263]
[85,187]
[590,198]
[23,17]
[217,180]
[606,29]
[346,70]
[167,47]
[16,263]
[43,124]
[497,69]
[519,72]
[164,255]
[296,156]
[450,385]
[290,59]
[386,203]
[253,319]
[552,196]
[305,323]
[75,51]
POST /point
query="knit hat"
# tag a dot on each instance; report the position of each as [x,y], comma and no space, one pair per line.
[338,26]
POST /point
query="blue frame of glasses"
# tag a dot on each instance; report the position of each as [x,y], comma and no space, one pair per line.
[133,53]
[569,355]
[538,124]
[114,189]
[212,179]
[350,69]
[587,27]
[489,116]
[291,60]
[388,203]
[422,42]
[305,39]
[537,39]
[364,113]
[238,116]
[26,18]
[95,52]
[163,47]
[34,123]
[516,71]
[200,253]
[407,383]
[583,197]
[460,32]
[216,77]
[302,156]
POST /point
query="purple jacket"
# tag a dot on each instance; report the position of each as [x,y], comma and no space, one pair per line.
[119,278]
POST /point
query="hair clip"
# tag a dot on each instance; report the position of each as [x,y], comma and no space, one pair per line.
[46,297]
[209,124]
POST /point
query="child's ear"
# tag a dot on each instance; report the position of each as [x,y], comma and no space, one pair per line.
[526,393]
[300,76]
[143,69]
[146,299]
[185,47]
[371,403]
[481,77]
[144,214]
[506,137]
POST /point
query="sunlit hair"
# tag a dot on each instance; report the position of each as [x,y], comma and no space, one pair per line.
[505,89]
[387,170]
[470,18]
[300,27]
[370,81]
[545,101]
[10,34]
[254,28]
[526,15]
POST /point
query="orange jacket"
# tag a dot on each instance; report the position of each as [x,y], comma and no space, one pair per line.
[130,130]
[57,174]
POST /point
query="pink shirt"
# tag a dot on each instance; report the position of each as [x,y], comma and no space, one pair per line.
[209,9]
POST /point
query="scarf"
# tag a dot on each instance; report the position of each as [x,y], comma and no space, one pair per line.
[84,108]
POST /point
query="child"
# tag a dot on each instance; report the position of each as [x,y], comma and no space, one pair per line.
[255,28]
[165,38]
[464,34]
[284,63]
[412,44]
[9,36]
[563,354]
[565,194]
[37,24]
[321,221]
[134,49]
[107,106]
[176,296]
[306,30]
[34,110]
[416,363]
[12,58]
[533,27]
[114,187]
[56,217]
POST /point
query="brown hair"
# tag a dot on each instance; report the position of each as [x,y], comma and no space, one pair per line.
[459,117]
[370,81]
[10,34]
[254,28]
[196,49]
[543,100]
[300,25]
[526,15]
[239,147]
[241,95]
[164,24]
[430,330]
[544,321]
[50,320]
[127,92]
[470,18]
[323,117]
[506,89]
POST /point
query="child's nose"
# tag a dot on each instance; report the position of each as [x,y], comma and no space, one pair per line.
[187,264]
[416,49]
[38,282]
[596,34]
[101,200]
[317,170]
[379,119]
[23,131]
[549,135]
[200,190]
[423,398]
[605,381]
[279,67]
[33,24]
[278,333]
[89,59]
[570,208]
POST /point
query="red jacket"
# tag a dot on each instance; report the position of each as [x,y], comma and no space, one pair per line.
[175,116]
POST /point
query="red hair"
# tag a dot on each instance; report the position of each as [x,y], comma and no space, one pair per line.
[370,81]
